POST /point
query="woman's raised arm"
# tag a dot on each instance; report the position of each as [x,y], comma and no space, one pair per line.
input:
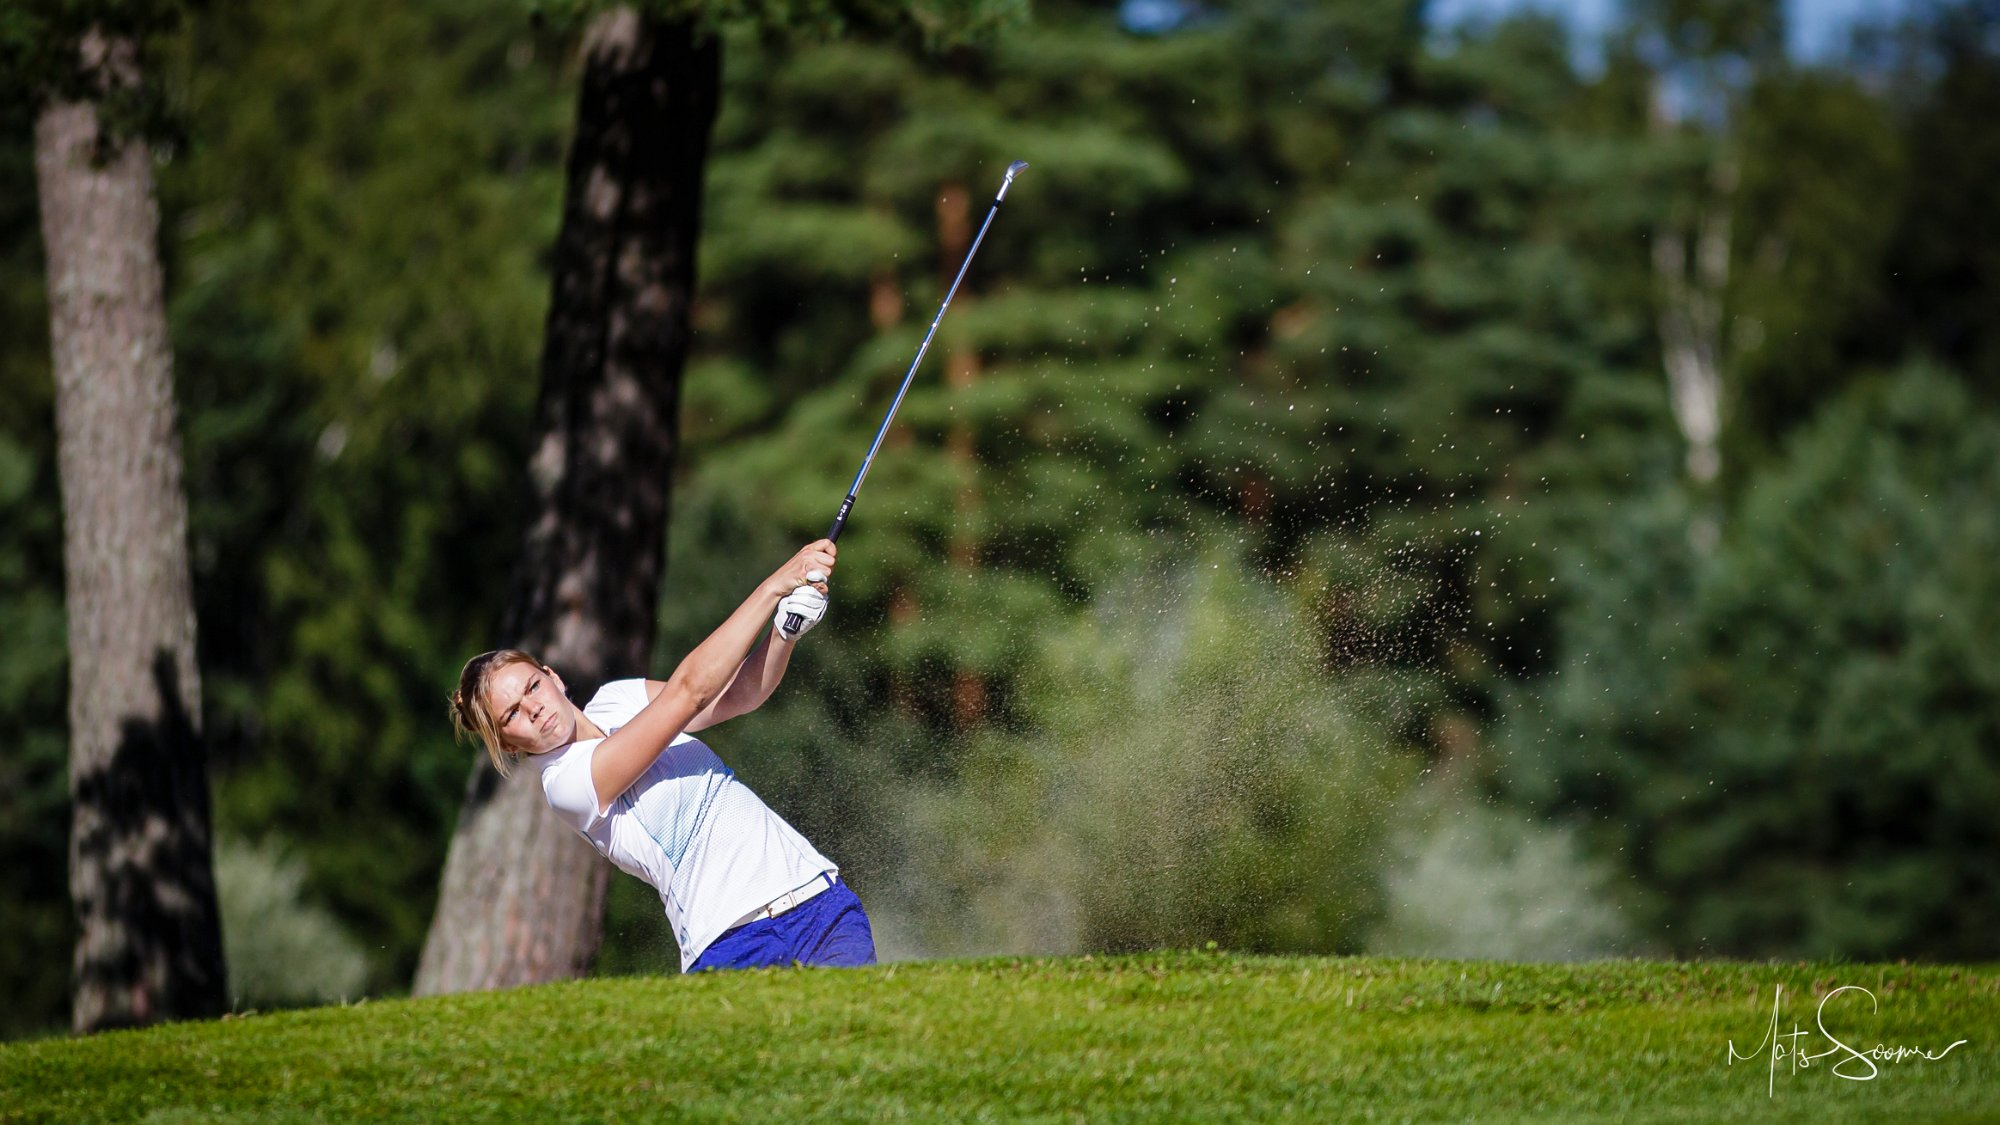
[703,675]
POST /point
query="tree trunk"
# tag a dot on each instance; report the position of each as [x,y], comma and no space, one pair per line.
[523,896]
[1693,282]
[1690,324]
[149,942]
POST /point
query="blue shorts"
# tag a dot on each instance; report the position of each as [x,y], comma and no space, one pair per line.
[829,928]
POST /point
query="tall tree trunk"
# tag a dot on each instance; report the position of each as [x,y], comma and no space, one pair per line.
[1690,324]
[523,896]
[149,942]
[1693,272]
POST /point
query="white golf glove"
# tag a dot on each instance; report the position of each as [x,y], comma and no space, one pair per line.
[809,604]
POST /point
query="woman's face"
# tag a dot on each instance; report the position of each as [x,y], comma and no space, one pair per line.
[530,709]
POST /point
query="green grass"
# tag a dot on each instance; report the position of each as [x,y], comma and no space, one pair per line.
[1166,1037]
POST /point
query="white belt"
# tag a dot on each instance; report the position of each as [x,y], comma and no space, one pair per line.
[786,901]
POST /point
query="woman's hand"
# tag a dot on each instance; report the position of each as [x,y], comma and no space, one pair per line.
[798,612]
[815,558]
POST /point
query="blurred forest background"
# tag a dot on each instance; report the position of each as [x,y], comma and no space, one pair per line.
[1384,487]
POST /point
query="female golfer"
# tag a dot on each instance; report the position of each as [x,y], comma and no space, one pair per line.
[740,886]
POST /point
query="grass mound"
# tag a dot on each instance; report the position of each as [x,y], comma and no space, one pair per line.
[1184,1036]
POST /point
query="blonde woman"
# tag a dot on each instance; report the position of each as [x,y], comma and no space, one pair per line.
[741,887]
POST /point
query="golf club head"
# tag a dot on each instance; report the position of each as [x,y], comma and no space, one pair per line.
[1014,169]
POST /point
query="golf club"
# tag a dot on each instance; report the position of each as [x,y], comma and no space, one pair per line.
[793,621]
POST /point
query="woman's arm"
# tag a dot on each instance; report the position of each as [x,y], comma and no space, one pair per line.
[756,679]
[700,680]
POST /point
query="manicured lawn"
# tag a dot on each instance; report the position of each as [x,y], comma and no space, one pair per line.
[1166,1037]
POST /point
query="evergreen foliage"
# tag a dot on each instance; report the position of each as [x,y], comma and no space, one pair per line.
[1791,739]
[1233,325]
[34,670]
[39,41]
[359,373]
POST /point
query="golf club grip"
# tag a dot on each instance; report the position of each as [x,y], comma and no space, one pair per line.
[794,620]
[840,521]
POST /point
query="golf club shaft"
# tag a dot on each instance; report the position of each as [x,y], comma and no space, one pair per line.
[847,505]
